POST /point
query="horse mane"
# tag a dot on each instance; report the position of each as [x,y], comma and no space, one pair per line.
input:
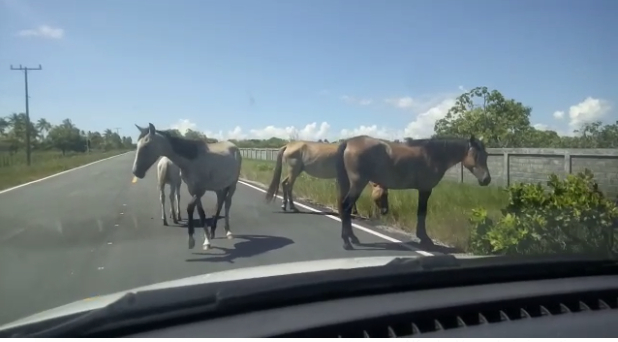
[441,143]
[184,147]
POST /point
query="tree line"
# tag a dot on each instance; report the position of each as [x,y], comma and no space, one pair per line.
[502,122]
[64,137]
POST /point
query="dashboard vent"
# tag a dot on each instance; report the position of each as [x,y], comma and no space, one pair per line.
[416,323]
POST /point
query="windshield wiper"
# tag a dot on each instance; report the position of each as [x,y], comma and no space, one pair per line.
[85,321]
[130,307]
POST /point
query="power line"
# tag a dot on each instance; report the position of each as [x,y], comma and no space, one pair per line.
[25,70]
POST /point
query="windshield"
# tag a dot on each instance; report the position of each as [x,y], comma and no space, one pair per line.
[484,128]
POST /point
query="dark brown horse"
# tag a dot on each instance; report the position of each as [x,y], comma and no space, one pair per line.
[415,164]
[318,160]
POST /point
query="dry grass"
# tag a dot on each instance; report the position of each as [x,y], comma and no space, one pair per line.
[448,212]
[14,171]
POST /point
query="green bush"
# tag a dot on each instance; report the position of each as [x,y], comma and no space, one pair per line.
[571,216]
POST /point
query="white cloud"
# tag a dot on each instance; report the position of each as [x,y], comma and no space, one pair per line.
[373,130]
[236,133]
[423,125]
[358,101]
[587,111]
[310,132]
[43,31]
[559,114]
[403,102]
[423,103]
[183,125]
[541,127]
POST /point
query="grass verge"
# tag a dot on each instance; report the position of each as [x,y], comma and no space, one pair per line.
[45,164]
[449,205]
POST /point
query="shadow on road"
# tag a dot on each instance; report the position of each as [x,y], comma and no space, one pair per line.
[378,246]
[196,222]
[320,213]
[251,246]
[406,246]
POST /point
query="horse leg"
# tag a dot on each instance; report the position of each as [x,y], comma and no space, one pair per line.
[221,196]
[173,204]
[421,215]
[162,198]
[284,190]
[228,205]
[348,195]
[178,203]
[292,180]
[202,214]
[354,210]
[356,189]
[190,227]
[344,213]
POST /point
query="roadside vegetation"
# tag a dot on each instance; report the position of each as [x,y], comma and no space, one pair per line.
[55,148]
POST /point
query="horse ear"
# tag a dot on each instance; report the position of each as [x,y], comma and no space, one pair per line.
[472,138]
[151,129]
[141,129]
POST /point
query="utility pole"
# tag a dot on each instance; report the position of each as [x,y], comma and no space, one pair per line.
[25,70]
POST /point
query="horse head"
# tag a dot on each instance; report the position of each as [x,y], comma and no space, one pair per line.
[150,147]
[475,161]
[379,196]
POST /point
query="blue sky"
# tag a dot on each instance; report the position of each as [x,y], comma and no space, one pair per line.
[233,68]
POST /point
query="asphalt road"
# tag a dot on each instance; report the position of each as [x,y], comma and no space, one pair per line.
[91,231]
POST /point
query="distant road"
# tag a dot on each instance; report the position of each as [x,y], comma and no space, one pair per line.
[91,232]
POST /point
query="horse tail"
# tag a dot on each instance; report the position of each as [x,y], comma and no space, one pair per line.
[274,183]
[342,175]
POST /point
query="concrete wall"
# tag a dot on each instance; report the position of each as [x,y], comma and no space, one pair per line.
[529,165]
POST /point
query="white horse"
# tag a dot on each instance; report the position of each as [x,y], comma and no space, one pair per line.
[204,167]
[169,173]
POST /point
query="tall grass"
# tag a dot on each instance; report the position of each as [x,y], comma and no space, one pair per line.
[448,211]
[14,171]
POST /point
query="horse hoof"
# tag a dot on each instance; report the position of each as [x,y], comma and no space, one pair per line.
[284,208]
[355,240]
[191,243]
[205,247]
[295,210]
[175,221]
[230,236]
[165,222]
[347,246]
[426,242]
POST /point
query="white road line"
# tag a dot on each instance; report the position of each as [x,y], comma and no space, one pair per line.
[11,235]
[357,226]
[60,173]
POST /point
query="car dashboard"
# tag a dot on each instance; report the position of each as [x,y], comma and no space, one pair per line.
[565,307]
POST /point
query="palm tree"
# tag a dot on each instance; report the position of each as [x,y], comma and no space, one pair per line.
[43,126]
